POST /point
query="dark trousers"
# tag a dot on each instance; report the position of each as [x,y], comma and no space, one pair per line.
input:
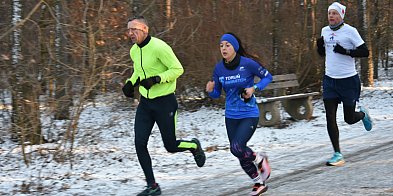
[350,117]
[239,133]
[347,91]
[163,111]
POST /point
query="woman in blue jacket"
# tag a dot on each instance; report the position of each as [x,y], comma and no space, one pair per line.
[235,74]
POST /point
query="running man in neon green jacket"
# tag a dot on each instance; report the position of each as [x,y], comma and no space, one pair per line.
[156,69]
[153,57]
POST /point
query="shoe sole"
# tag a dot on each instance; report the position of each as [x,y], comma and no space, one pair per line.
[339,163]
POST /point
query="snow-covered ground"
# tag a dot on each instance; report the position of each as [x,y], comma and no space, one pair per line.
[104,161]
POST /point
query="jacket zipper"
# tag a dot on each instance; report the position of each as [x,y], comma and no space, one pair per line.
[144,73]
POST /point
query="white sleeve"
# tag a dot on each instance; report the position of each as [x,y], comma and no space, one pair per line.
[356,39]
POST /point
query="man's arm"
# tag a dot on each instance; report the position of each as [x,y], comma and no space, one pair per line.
[360,51]
[321,47]
[169,59]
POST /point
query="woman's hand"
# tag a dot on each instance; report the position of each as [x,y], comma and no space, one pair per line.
[210,86]
[247,93]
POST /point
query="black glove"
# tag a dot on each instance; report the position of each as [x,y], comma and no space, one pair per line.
[149,82]
[243,92]
[128,89]
[339,49]
[321,47]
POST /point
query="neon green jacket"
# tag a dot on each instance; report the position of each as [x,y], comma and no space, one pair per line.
[155,58]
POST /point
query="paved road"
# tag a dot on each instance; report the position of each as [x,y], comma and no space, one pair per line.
[368,170]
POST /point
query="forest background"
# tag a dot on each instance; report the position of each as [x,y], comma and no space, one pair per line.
[55,56]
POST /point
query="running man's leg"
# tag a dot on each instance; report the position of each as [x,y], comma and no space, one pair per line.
[331,99]
[350,94]
[351,116]
[143,126]
[166,116]
[331,111]
[331,115]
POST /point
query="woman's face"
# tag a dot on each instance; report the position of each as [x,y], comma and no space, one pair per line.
[334,17]
[227,51]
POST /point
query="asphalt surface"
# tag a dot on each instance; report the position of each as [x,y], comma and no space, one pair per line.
[368,171]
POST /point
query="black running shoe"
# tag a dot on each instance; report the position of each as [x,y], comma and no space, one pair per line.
[199,154]
[151,190]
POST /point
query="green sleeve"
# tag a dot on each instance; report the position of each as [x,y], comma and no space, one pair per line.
[134,76]
[169,59]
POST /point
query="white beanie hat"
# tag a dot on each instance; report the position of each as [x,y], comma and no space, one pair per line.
[339,8]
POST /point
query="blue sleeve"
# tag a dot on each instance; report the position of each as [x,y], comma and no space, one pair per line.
[264,75]
[217,86]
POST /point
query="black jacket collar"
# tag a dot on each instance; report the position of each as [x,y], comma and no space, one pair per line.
[145,42]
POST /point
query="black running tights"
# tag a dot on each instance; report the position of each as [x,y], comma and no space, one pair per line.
[350,117]
[162,111]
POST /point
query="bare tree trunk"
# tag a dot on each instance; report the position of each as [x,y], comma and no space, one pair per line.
[15,76]
[214,8]
[45,70]
[62,85]
[26,124]
[87,32]
[169,14]
[376,35]
[85,39]
[306,68]
[366,64]
[369,31]
[302,69]
[275,35]
[388,32]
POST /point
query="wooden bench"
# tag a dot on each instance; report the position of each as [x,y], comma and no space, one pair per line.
[298,106]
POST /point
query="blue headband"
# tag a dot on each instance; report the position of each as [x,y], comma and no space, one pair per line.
[231,39]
